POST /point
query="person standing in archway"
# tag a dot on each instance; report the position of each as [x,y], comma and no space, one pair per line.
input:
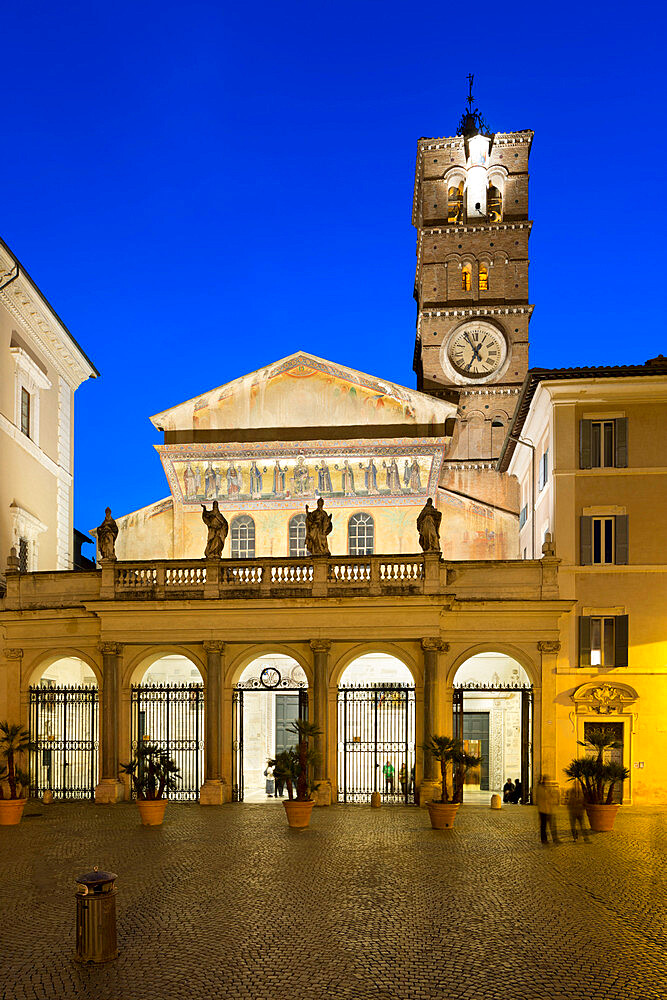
[546,799]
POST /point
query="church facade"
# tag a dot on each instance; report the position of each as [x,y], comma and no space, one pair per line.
[378,643]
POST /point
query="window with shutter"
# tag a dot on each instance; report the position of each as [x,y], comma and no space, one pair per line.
[621,641]
[585,540]
[621,532]
[603,444]
[584,641]
[585,444]
[603,641]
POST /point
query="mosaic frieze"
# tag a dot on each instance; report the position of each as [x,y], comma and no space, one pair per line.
[259,476]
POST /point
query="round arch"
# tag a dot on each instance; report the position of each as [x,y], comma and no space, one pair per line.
[137,666]
[251,653]
[364,649]
[43,661]
[506,649]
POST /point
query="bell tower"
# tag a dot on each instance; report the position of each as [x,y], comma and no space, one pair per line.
[471,284]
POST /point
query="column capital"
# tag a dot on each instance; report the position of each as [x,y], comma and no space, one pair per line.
[214,646]
[320,645]
[110,648]
[433,644]
[548,646]
[13,654]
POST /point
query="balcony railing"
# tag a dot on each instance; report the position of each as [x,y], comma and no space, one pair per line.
[272,578]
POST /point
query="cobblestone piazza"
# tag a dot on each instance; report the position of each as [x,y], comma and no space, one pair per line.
[228,902]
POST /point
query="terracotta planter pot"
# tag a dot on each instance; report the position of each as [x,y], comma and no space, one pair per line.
[152,811]
[11,811]
[601,818]
[443,814]
[298,813]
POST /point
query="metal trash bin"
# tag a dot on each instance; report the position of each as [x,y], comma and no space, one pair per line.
[96,917]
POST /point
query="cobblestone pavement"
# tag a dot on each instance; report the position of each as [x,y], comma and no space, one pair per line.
[229,903]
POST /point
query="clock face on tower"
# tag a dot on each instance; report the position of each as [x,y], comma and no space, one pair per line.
[474,352]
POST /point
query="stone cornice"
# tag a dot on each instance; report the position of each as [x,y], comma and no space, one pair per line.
[478,310]
[41,324]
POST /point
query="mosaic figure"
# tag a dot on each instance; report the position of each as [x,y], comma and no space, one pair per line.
[393,476]
[428,526]
[300,478]
[107,533]
[412,475]
[189,482]
[255,481]
[347,479]
[217,531]
[278,478]
[319,524]
[210,485]
[323,477]
[370,477]
[233,480]
[197,481]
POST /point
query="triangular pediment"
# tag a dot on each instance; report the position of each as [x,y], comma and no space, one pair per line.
[303,390]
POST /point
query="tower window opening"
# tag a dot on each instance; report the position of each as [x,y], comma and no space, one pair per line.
[466,279]
[494,204]
[455,203]
[483,279]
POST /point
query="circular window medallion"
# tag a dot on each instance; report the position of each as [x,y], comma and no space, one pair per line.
[270,677]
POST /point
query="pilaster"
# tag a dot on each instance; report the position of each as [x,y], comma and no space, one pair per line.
[321,648]
[110,788]
[549,650]
[431,647]
[215,791]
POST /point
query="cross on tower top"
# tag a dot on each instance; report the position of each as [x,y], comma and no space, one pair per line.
[472,121]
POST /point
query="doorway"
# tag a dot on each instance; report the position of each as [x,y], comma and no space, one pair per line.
[270,695]
[493,715]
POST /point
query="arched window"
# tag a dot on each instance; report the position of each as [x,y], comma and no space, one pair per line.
[494,204]
[360,535]
[243,537]
[466,278]
[483,278]
[455,203]
[297,536]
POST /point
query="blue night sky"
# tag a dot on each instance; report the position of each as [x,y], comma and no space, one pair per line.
[202,189]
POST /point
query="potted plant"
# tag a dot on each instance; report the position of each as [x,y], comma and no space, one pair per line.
[293,767]
[153,774]
[449,751]
[598,778]
[14,739]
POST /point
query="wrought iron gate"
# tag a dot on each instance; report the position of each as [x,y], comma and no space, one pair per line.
[526,691]
[376,743]
[270,679]
[172,717]
[64,738]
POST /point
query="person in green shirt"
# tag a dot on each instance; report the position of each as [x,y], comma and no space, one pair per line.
[388,775]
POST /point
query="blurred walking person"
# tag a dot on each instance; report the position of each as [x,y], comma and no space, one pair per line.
[546,800]
[575,809]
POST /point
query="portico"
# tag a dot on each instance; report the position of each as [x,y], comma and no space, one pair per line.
[323,613]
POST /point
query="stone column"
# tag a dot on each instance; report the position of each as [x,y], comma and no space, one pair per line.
[214,792]
[110,788]
[546,739]
[320,648]
[433,724]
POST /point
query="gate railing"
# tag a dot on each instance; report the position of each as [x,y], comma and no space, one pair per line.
[171,716]
[64,740]
[376,743]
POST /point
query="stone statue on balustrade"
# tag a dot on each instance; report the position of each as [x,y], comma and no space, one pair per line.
[217,531]
[428,526]
[318,525]
[107,533]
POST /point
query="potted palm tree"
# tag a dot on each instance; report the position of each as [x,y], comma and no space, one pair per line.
[449,751]
[598,778]
[14,740]
[153,775]
[294,767]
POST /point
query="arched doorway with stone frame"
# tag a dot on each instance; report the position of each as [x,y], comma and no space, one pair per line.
[376,729]
[166,709]
[63,722]
[493,706]
[270,694]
